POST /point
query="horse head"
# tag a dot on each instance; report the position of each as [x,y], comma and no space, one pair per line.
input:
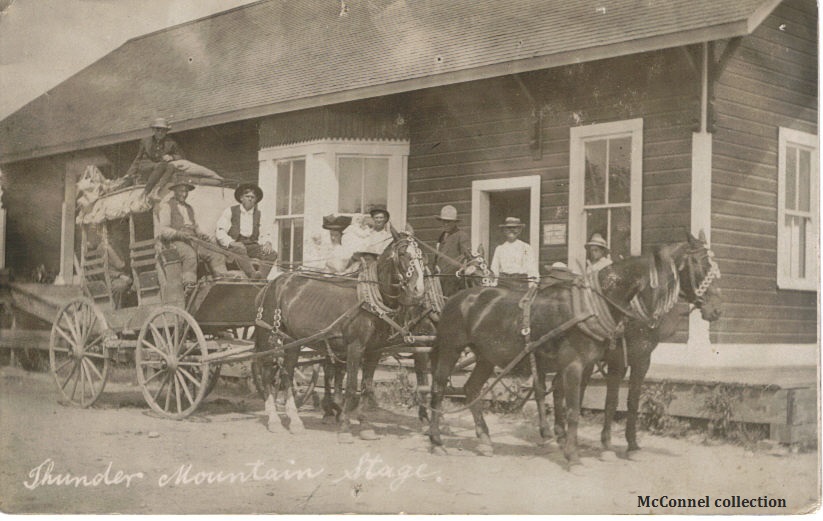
[400,271]
[475,270]
[698,274]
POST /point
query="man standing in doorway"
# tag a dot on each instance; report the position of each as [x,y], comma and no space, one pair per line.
[453,248]
[513,263]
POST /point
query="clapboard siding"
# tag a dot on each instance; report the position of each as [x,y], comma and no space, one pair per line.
[479,131]
[771,81]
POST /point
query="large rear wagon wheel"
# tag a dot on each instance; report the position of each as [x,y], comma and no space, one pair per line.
[172,364]
[77,355]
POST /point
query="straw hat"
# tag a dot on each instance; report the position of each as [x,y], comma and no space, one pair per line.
[448,213]
[160,123]
[512,222]
[597,240]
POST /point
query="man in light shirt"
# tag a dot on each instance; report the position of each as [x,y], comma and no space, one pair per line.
[238,229]
[176,226]
[380,236]
[514,259]
[597,253]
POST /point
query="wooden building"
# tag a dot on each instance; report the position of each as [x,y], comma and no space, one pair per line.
[638,120]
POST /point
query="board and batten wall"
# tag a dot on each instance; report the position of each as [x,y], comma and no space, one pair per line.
[481,130]
[770,82]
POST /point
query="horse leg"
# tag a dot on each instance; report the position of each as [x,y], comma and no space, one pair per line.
[442,360]
[540,397]
[572,376]
[271,383]
[615,374]
[331,410]
[559,397]
[421,362]
[289,364]
[350,400]
[367,398]
[638,373]
[480,374]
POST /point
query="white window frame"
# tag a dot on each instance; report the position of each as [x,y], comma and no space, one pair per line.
[289,215]
[577,164]
[321,191]
[796,138]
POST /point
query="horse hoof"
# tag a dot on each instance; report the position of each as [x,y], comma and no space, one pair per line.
[635,455]
[549,444]
[485,450]
[275,426]
[608,455]
[439,450]
[345,437]
[298,429]
[369,435]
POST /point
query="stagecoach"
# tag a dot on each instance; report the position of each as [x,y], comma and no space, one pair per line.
[129,302]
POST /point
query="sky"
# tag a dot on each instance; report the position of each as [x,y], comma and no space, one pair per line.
[44,42]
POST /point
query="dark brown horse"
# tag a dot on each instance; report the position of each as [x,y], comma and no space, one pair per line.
[302,305]
[488,320]
[698,275]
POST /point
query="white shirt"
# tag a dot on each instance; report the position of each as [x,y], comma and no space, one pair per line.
[514,257]
[598,265]
[376,241]
[246,227]
[338,259]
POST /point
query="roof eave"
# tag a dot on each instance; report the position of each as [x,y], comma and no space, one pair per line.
[741,27]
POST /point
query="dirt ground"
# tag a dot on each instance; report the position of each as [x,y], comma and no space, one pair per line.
[125,459]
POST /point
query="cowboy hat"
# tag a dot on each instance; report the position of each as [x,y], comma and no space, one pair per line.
[379,209]
[448,213]
[512,222]
[597,240]
[238,193]
[336,223]
[160,123]
[179,181]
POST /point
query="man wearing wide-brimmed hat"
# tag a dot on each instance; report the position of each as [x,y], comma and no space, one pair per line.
[453,249]
[176,226]
[153,162]
[514,259]
[380,236]
[238,229]
[597,253]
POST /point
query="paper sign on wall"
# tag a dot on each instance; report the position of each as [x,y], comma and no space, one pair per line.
[554,234]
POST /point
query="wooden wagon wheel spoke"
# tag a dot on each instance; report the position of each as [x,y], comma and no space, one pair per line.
[153,375]
[182,389]
[77,338]
[184,386]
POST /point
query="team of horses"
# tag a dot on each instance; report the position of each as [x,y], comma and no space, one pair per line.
[617,315]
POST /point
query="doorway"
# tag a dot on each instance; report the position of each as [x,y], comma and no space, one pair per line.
[495,199]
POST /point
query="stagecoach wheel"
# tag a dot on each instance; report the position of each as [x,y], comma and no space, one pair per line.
[172,362]
[306,375]
[77,355]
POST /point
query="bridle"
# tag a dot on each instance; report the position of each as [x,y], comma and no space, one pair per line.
[480,262]
[694,261]
[403,279]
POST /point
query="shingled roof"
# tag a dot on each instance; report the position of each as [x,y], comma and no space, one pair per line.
[276,56]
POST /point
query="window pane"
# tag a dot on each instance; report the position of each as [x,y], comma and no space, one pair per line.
[284,239]
[620,165]
[597,222]
[595,182]
[376,182]
[801,247]
[282,201]
[804,188]
[791,178]
[621,233]
[298,186]
[350,172]
[297,253]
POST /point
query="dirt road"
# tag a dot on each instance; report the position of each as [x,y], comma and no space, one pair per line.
[123,459]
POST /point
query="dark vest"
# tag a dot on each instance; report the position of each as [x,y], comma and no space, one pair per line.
[234,231]
[177,217]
